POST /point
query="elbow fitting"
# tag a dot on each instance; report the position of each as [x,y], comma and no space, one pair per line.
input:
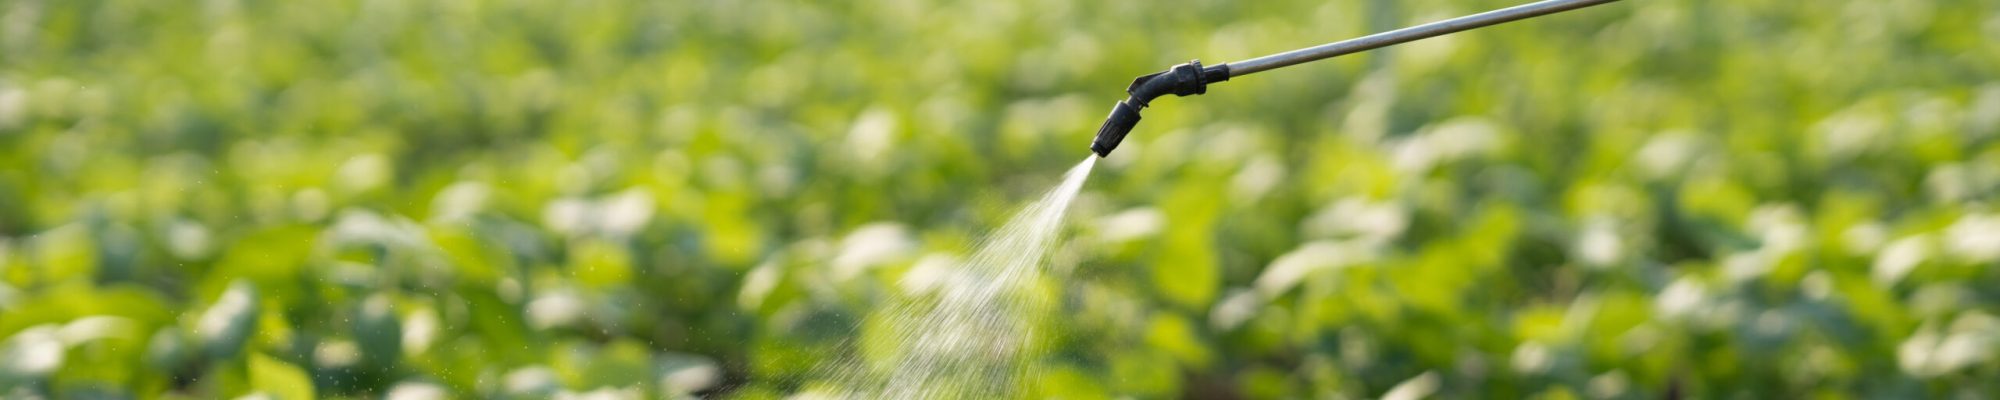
[1180,80]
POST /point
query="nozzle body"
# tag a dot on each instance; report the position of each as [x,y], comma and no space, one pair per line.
[1123,117]
[1179,80]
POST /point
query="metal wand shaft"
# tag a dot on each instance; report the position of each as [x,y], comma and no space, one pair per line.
[1384,39]
[1193,79]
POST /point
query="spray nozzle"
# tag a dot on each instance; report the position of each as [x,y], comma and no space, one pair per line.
[1180,80]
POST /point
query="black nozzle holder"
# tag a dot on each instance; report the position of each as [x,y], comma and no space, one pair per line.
[1180,80]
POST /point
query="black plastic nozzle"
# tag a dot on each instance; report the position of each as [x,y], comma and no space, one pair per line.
[1179,80]
[1123,117]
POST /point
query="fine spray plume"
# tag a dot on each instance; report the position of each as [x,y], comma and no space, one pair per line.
[959,332]
[1192,78]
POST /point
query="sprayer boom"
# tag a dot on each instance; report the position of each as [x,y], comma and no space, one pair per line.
[1192,78]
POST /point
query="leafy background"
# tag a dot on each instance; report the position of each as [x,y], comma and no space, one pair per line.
[511,198]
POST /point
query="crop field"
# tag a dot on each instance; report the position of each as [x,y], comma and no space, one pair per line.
[707,198]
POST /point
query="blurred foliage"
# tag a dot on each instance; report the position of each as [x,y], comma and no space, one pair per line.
[505,198]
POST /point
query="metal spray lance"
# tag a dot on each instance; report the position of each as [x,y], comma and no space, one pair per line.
[1192,78]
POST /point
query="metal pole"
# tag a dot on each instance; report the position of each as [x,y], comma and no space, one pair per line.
[1384,39]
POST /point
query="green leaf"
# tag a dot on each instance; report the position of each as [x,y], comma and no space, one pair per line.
[1176,335]
[1185,270]
[600,263]
[64,303]
[64,254]
[229,321]
[279,379]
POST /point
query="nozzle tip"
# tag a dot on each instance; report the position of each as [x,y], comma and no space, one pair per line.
[1123,117]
